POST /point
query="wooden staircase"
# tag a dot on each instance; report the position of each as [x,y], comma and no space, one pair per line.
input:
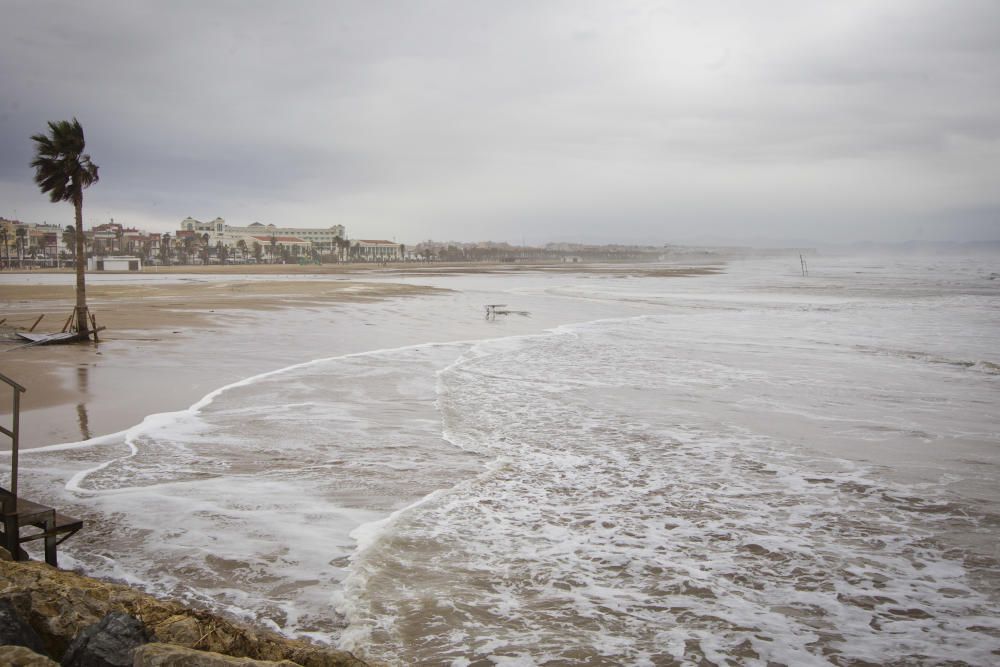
[42,522]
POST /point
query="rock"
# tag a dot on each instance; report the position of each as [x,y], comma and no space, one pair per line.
[59,605]
[169,655]
[5,555]
[108,643]
[21,656]
[14,630]
[179,629]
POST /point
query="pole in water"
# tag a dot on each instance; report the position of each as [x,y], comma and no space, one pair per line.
[805,269]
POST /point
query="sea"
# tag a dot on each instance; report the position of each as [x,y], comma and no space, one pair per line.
[747,467]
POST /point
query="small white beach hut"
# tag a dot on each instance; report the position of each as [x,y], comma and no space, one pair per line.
[115,264]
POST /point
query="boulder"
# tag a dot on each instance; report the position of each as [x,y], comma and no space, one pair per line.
[169,655]
[22,656]
[14,630]
[59,605]
[107,643]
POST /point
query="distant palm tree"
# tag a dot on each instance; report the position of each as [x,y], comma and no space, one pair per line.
[241,245]
[165,248]
[205,247]
[189,246]
[5,237]
[69,238]
[22,235]
[62,171]
[342,246]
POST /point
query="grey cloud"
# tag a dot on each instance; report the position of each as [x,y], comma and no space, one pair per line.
[463,120]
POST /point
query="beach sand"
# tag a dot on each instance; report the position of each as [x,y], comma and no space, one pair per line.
[151,356]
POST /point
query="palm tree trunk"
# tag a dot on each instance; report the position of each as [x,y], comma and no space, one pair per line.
[82,319]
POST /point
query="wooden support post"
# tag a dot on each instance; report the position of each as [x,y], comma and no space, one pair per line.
[10,528]
[93,323]
[15,442]
[8,501]
[50,540]
[69,321]
[36,322]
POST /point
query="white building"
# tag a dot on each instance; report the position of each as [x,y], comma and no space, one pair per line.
[215,229]
[114,264]
[319,238]
[230,235]
[376,251]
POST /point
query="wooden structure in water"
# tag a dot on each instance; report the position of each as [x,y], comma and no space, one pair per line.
[494,309]
[69,333]
[42,522]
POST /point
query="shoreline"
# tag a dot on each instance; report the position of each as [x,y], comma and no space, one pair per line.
[58,605]
[152,361]
[142,365]
[170,339]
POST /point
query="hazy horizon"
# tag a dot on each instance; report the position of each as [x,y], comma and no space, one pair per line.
[791,123]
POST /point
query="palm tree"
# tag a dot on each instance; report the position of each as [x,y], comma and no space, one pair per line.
[205,247]
[165,248]
[341,246]
[63,170]
[189,246]
[241,245]
[5,237]
[69,238]
[22,234]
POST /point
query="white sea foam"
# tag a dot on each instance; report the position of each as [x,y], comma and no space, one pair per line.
[611,516]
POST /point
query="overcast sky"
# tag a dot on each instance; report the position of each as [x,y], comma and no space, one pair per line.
[649,122]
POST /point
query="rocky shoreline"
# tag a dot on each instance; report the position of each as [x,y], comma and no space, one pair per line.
[50,616]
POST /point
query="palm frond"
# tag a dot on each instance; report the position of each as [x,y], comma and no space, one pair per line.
[62,169]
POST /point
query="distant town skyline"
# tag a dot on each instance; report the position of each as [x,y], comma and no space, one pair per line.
[780,123]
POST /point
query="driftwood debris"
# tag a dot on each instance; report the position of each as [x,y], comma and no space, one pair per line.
[51,338]
[68,334]
[494,309]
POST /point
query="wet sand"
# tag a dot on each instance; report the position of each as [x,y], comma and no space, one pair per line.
[159,352]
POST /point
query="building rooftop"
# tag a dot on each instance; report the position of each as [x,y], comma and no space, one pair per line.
[280,239]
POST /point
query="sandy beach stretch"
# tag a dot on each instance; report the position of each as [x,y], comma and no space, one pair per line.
[78,391]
